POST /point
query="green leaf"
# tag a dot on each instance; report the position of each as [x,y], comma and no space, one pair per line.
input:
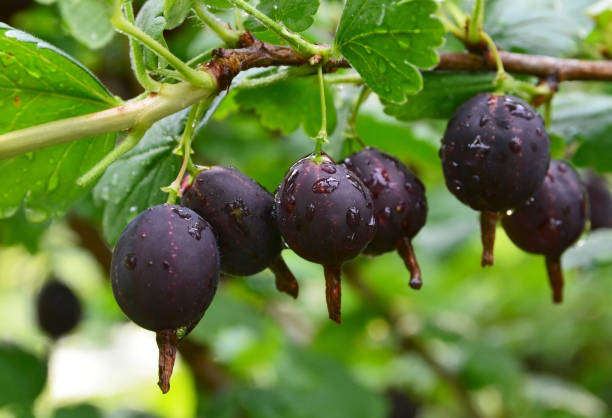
[151,20]
[22,376]
[176,11]
[132,184]
[297,15]
[288,104]
[551,27]
[88,21]
[17,230]
[78,411]
[385,41]
[442,94]
[38,84]
[220,4]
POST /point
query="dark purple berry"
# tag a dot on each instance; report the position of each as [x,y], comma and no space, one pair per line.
[325,213]
[495,153]
[400,206]
[551,220]
[600,201]
[241,213]
[164,273]
[58,309]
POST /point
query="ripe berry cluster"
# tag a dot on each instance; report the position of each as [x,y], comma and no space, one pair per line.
[166,264]
[495,157]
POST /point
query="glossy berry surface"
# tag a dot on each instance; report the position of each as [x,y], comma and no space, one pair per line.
[600,201]
[165,268]
[324,212]
[551,220]
[58,309]
[241,213]
[400,206]
[326,215]
[495,152]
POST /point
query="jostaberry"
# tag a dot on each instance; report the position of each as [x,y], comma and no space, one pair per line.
[325,214]
[164,273]
[58,309]
[495,153]
[242,215]
[551,220]
[600,201]
[400,206]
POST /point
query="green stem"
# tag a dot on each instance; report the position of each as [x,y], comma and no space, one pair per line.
[455,12]
[137,57]
[302,46]
[198,78]
[170,99]
[227,35]
[351,131]
[322,136]
[475,30]
[97,170]
[451,27]
[238,20]
[347,78]
[195,114]
[202,56]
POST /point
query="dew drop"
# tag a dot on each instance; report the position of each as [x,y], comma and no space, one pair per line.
[166,265]
[130,261]
[325,186]
[352,217]
[310,212]
[181,213]
[143,235]
[484,119]
[328,168]
[195,230]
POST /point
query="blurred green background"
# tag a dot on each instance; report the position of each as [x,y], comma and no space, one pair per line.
[471,342]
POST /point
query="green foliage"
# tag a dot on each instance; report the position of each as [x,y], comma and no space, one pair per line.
[550,27]
[42,84]
[297,15]
[151,20]
[386,41]
[176,11]
[289,104]
[95,33]
[133,183]
[442,94]
[22,376]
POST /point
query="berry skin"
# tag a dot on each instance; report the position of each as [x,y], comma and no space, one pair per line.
[551,220]
[241,213]
[400,205]
[600,201]
[325,214]
[164,273]
[58,309]
[495,153]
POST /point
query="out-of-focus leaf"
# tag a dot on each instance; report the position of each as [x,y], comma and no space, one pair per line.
[22,376]
[548,27]
[78,411]
[297,15]
[133,182]
[558,394]
[387,41]
[175,12]
[586,118]
[442,94]
[39,84]
[17,230]
[287,105]
[88,21]
[596,249]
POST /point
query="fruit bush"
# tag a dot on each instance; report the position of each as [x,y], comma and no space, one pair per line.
[269,208]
